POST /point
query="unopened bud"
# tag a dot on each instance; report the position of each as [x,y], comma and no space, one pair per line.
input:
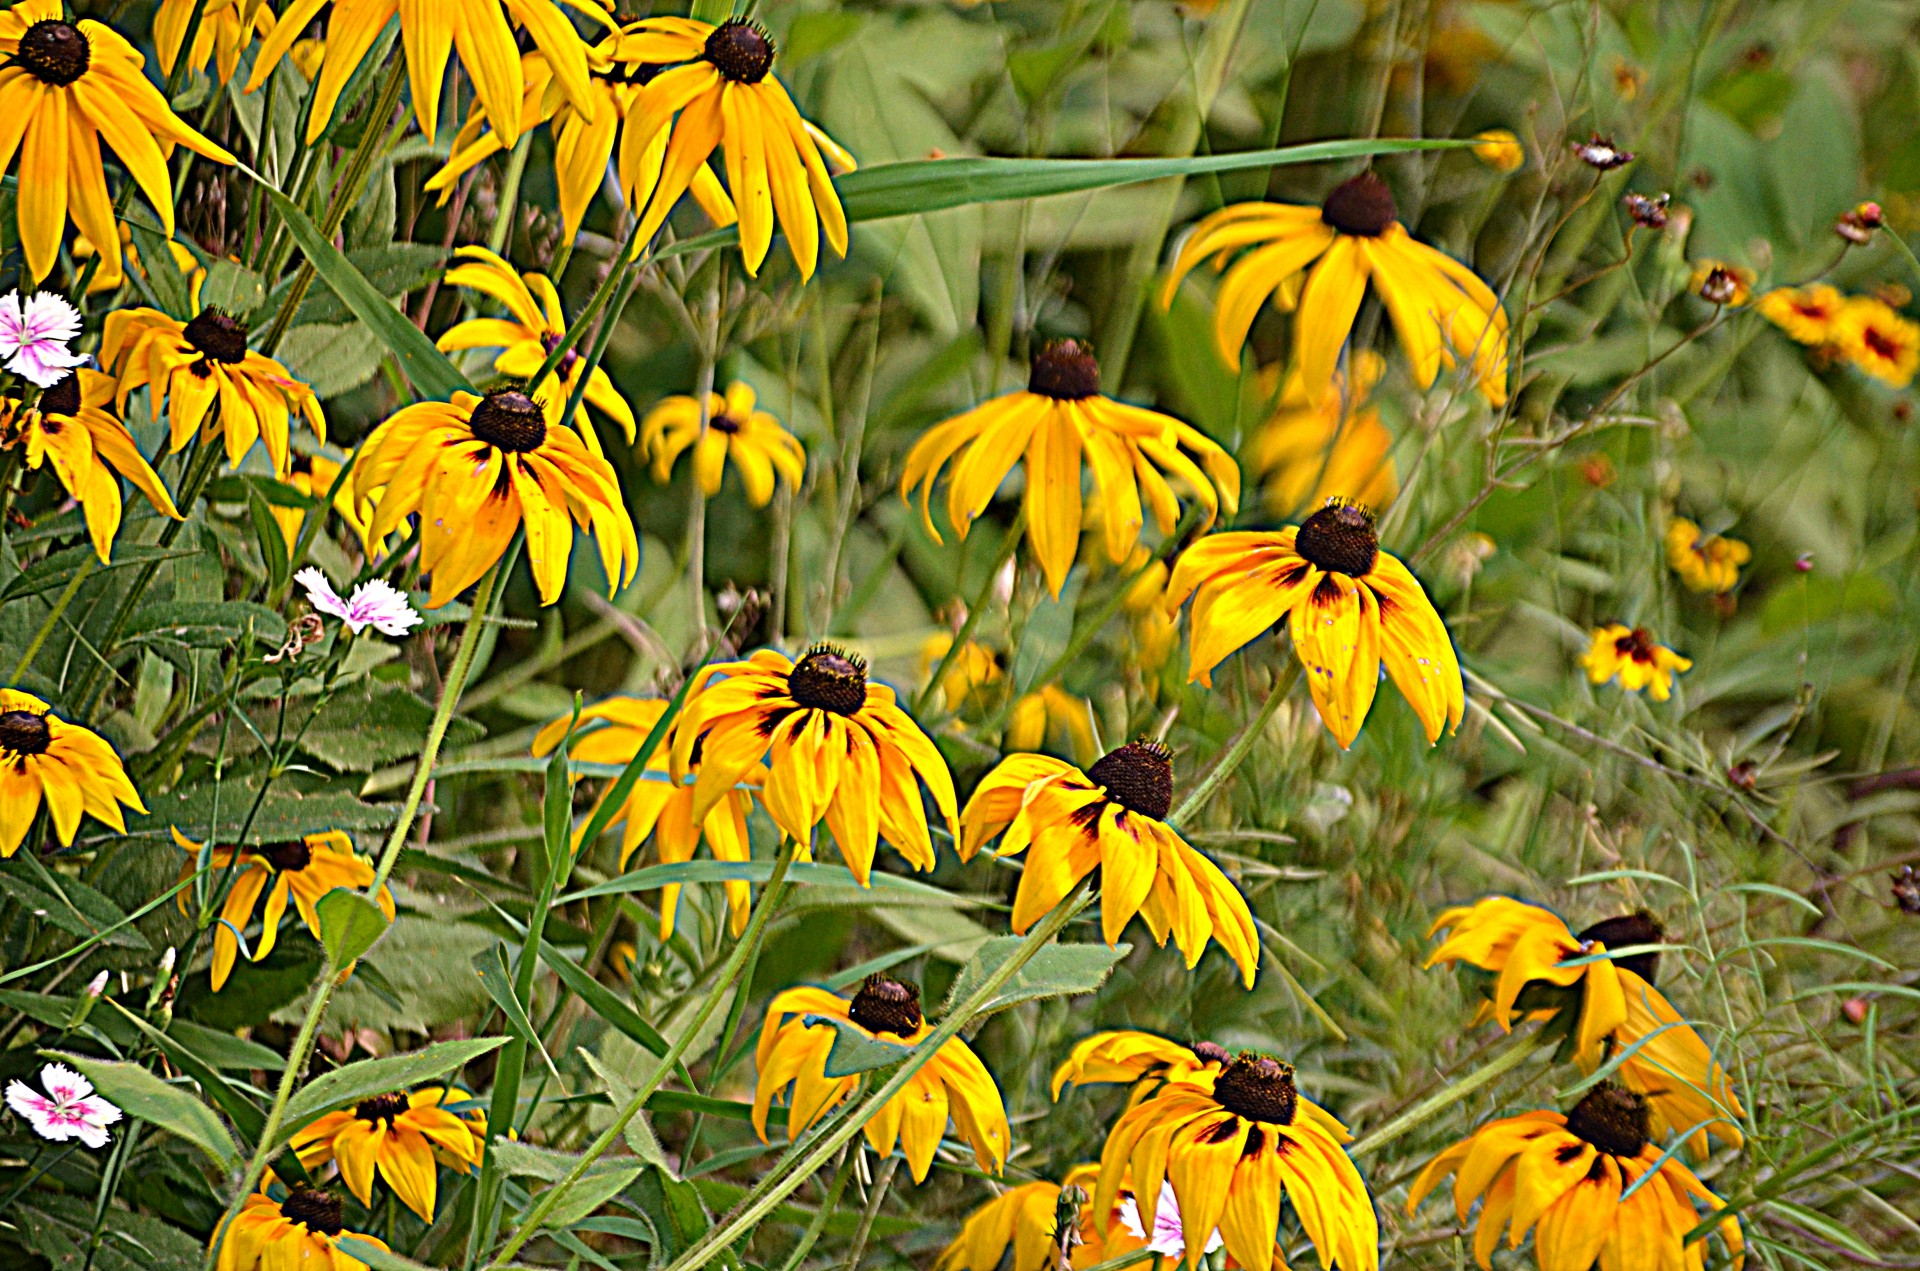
[83,1005]
[1650,213]
[1600,152]
[167,960]
[1857,224]
[1803,563]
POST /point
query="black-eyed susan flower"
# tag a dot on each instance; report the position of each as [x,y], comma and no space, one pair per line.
[89,449]
[1539,965]
[1112,817]
[1144,1061]
[297,1231]
[1590,1185]
[1053,720]
[1499,149]
[64,87]
[211,381]
[582,147]
[1060,426]
[1705,562]
[399,1137]
[74,769]
[480,32]
[1442,312]
[1633,657]
[837,748]
[612,732]
[1027,1218]
[314,476]
[1351,608]
[1232,1143]
[297,872]
[533,328]
[1721,284]
[719,93]
[737,429]
[1808,315]
[476,469]
[796,1040]
[227,29]
[1873,336]
[1311,450]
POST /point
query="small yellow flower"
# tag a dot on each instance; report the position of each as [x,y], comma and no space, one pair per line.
[736,429]
[969,679]
[313,476]
[72,767]
[1876,338]
[1140,1060]
[400,1137]
[1027,1218]
[1632,656]
[1808,315]
[1052,719]
[1718,283]
[1705,562]
[1333,446]
[1500,150]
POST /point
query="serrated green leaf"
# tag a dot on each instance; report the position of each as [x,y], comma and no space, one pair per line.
[1059,970]
[370,1077]
[854,1051]
[288,811]
[138,1093]
[207,624]
[332,357]
[370,724]
[350,924]
[68,904]
[60,1228]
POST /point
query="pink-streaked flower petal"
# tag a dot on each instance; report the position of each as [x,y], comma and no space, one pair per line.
[1168,1236]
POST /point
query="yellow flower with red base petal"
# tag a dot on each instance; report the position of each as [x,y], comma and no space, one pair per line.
[476,469]
[1061,425]
[89,449]
[1111,818]
[399,1137]
[656,805]
[1874,336]
[1808,315]
[210,380]
[1443,314]
[794,1045]
[72,768]
[297,1231]
[837,749]
[1567,1178]
[64,87]
[736,429]
[1351,608]
[297,872]
[1141,1060]
[719,93]
[1632,656]
[1540,967]
[1232,1143]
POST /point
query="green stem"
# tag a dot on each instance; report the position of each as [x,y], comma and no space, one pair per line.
[872,1211]
[730,972]
[46,628]
[509,199]
[975,608]
[796,1168]
[1518,1051]
[824,1213]
[1238,749]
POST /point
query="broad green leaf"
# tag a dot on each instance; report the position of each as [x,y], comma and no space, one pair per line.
[393,268]
[497,978]
[429,370]
[1059,970]
[587,1194]
[207,624]
[290,809]
[141,1095]
[601,1000]
[236,1099]
[369,724]
[677,1212]
[266,532]
[67,903]
[60,1227]
[232,288]
[163,276]
[370,1077]
[55,570]
[224,1050]
[350,923]
[638,1131]
[332,357]
[1044,637]
[855,1052]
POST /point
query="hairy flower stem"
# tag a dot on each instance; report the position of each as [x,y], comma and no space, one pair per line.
[1518,1051]
[801,1162]
[1239,748]
[303,1042]
[975,608]
[729,974]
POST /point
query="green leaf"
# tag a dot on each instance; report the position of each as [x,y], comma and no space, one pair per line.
[584,1195]
[60,1228]
[67,903]
[232,288]
[601,1000]
[1044,637]
[332,357]
[350,924]
[290,809]
[370,1077]
[207,624]
[638,1131]
[369,724]
[886,888]
[266,532]
[855,1052]
[491,964]
[162,271]
[1059,970]
[376,1256]
[141,1095]
[223,1050]
[235,1098]
[429,370]
[393,268]
[55,570]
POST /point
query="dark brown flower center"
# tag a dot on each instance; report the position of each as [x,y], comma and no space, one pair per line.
[1720,286]
[1212,1053]
[318,1211]
[1626,931]
[886,1005]
[507,419]
[290,857]
[740,51]
[1613,1120]
[1138,777]
[1258,1088]
[54,52]
[1066,370]
[63,398]
[725,423]
[382,1107]
[25,733]
[829,678]
[220,337]
[1362,207]
[1636,644]
[1340,539]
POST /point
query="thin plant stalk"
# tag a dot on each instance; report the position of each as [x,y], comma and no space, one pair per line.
[975,608]
[1239,748]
